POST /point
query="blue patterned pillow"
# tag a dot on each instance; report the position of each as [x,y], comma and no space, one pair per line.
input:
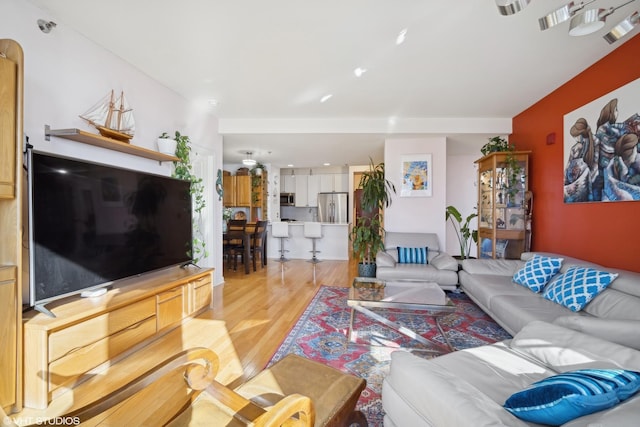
[413,255]
[577,286]
[537,271]
[561,398]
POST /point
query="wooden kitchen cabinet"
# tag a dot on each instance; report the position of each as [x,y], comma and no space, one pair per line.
[237,190]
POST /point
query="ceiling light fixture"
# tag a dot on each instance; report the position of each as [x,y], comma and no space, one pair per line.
[359,71]
[561,14]
[591,20]
[46,26]
[249,161]
[622,28]
[402,36]
[509,7]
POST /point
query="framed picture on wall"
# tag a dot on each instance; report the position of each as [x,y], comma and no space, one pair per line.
[417,177]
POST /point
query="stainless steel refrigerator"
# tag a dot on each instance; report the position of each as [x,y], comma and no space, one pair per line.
[333,207]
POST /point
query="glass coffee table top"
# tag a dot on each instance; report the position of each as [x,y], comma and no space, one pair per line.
[367,293]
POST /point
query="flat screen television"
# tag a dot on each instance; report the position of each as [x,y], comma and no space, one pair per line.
[92,224]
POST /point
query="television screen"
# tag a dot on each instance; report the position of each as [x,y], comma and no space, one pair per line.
[92,224]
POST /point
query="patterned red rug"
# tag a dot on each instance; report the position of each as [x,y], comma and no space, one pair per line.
[321,334]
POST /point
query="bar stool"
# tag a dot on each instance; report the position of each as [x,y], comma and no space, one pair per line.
[313,231]
[280,229]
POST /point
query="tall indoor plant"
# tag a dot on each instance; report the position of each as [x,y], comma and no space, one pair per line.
[367,236]
[462,227]
[183,169]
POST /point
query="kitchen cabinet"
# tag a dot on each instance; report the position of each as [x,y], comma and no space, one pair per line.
[287,183]
[307,189]
[503,186]
[237,190]
[334,182]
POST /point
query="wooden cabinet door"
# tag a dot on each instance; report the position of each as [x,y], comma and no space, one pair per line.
[8,77]
[229,190]
[243,190]
[8,358]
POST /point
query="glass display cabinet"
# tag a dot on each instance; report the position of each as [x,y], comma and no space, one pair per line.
[503,204]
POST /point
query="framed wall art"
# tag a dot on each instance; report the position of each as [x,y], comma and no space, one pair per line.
[417,175]
[601,158]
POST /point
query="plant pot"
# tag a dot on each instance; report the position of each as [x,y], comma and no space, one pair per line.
[258,171]
[366,270]
[167,146]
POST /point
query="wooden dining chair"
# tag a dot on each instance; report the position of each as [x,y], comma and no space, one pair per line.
[259,244]
[234,246]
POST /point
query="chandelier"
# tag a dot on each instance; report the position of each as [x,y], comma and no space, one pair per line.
[582,22]
[249,161]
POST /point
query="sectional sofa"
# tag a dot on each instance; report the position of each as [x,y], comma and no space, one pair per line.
[470,387]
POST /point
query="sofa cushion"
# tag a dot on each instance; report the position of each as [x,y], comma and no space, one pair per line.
[412,255]
[514,312]
[563,349]
[537,271]
[423,272]
[383,259]
[393,239]
[482,288]
[613,304]
[564,397]
[444,261]
[577,286]
[624,332]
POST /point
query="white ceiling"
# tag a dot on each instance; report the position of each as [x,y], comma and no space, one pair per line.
[268,63]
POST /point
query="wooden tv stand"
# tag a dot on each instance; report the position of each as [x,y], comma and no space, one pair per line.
[90,332]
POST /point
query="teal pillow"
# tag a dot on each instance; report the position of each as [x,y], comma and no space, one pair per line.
[413,255]
[577,286]
[561,398]
[537,271]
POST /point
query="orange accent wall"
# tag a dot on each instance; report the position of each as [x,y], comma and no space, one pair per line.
[607,233]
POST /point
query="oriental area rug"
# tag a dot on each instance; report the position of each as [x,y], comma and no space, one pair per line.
[321,335]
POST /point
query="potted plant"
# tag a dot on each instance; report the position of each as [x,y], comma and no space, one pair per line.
[183,169]
[257,169]
[166,144]
[367,236]
[462,229]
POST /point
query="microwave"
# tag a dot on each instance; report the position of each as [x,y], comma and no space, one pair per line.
[287,199]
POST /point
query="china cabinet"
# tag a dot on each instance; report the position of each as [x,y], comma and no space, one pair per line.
[503,196]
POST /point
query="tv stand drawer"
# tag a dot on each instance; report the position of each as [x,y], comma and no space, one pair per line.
[89,334]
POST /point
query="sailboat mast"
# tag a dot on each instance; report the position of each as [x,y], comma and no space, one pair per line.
[107,122]
[120,111]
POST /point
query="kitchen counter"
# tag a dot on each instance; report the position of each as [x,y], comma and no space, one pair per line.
[333,245]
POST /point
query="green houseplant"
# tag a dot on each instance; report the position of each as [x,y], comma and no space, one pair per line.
[367,236]
[183,169]
[463,229]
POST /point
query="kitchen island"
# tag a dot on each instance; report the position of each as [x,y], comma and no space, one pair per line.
[333,245]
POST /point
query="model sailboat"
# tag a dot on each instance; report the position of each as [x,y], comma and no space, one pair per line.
[112,117]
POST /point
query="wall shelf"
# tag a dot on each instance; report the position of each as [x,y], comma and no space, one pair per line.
[101,141]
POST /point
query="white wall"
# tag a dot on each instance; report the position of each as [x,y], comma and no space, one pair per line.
[417,214]
[65,74]
[462,192]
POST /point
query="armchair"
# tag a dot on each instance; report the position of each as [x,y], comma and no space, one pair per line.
[440,268]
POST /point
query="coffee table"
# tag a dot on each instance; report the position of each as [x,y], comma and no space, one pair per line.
[410,295]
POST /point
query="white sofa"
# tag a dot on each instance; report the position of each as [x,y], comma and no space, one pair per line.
[469,387]
[613,315]
[441,268]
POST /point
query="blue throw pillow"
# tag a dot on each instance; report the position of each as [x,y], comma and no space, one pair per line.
[561,398]
[578,286]
[413,255]
[537,271]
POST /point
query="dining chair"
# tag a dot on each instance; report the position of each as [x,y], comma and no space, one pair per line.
[259,244]
[234,245]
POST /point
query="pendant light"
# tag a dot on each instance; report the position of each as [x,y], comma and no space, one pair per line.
[622,28]
[249,161]
[509,7]
[591,20]
[561,14]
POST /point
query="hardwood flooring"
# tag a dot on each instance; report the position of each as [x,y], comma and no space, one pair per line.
[251,315]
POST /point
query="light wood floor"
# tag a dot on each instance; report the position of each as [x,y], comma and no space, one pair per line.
[251,315]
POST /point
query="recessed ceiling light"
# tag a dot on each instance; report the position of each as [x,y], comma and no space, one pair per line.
[289,165]
[359,71]
[401,36]
[326,97]
[327,164]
